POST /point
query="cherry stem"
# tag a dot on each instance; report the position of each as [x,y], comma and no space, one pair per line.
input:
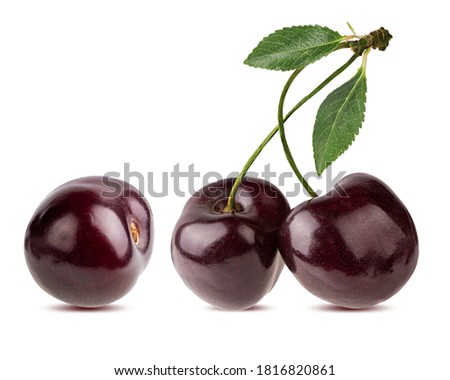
[231,205]
[287,150]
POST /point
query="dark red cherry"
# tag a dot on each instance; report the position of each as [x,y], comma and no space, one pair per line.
[354,247]
[89,240]
[230,260]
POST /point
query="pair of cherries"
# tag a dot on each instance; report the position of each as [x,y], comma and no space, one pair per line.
[354,247]
[91,238]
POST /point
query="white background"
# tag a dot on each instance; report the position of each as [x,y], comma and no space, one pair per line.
[86,86]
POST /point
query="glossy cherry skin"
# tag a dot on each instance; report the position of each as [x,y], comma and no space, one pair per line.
[354,247]
[230,260]
[89,240]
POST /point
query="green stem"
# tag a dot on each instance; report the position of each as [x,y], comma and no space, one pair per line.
[231,200]
[364,60]
[231,205]
[287,150]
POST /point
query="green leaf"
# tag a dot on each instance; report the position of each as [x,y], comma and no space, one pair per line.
[291,48]
[338,120]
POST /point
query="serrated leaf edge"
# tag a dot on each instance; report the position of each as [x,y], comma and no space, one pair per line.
[361,75]
[246,61]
